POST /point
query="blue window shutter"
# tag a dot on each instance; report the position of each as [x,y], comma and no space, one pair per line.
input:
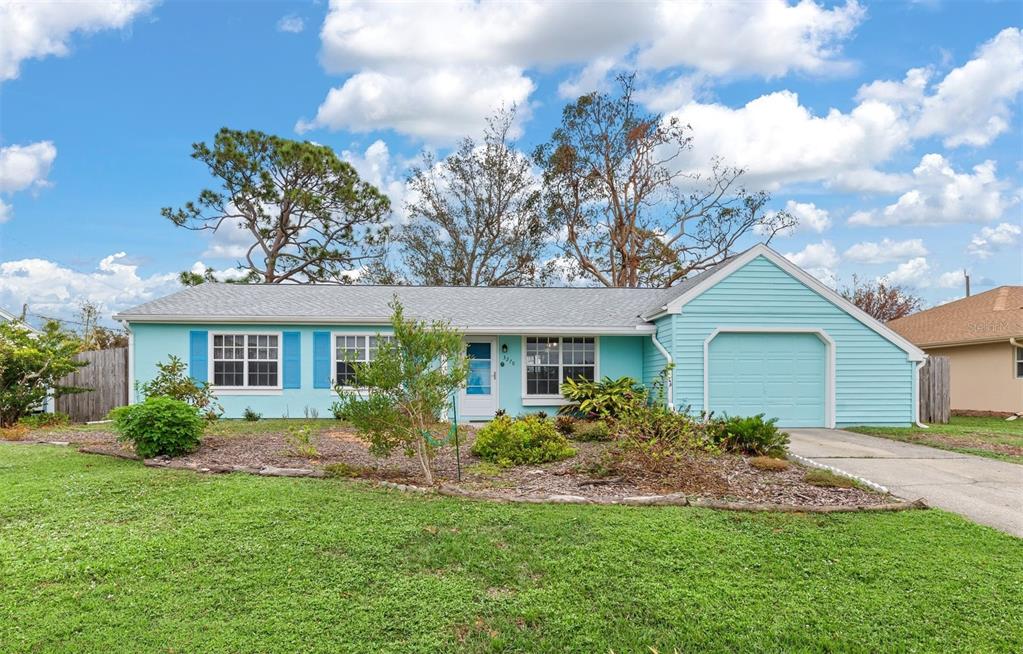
[321,359]
[292,356]
[198,356]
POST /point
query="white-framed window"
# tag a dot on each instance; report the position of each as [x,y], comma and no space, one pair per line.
[549,360]
[1019,363]
[246,361]
[350,349]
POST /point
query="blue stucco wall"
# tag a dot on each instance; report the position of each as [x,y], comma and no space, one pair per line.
[873,377]
[618,356]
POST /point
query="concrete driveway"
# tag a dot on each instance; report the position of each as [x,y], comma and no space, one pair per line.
[984,490]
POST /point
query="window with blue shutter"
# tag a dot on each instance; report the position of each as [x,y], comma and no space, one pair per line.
[292,358]
[198,355]
[321,359]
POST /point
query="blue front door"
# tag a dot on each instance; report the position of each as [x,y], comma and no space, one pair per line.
[782,375]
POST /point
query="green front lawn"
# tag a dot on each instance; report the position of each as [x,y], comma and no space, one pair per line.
[101,554]
[995,438]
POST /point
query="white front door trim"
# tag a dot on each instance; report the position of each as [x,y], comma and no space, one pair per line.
[829,343]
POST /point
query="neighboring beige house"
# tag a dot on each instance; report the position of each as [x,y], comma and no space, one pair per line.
[982,336]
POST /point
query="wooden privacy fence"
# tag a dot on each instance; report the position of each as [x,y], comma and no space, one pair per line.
[106,375]
[935,393]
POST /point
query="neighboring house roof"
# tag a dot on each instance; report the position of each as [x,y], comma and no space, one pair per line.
[994,315]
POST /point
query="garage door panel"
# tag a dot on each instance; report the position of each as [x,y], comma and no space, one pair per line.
[782,375]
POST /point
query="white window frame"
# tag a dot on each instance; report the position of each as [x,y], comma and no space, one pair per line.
[245,367]
[557,398]
[333,352]
[1018,359]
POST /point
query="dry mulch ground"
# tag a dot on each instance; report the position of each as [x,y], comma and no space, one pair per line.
[725,477]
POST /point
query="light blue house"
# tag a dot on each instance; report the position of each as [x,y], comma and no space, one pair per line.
[754,334]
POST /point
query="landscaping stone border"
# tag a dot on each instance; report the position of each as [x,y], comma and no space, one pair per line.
[450,490]
[810,463]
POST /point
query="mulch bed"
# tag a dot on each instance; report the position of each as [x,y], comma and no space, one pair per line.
[728,477]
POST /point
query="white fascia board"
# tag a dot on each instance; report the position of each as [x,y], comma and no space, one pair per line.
[675,306]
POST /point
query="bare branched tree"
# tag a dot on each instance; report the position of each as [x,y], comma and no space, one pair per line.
[310,217]
[628,213]
[882,300]
[475,219]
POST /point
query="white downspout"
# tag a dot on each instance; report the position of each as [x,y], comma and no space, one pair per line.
[916,395]
[671,373]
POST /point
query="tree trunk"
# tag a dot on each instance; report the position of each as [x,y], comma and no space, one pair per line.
[424,459]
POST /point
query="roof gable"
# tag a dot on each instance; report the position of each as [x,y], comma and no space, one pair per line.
[721,272]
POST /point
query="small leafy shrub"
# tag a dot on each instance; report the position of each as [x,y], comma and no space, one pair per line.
[754,436]
[769,463]
[250,415]
[592,430]
[565,424]
[337,409]
[541,415]
[606,399]
[526,440]
[300,440]
[828,479]
[39,420]
[160,426]
[172,381]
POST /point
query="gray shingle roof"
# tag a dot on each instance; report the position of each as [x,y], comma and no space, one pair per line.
[465,307]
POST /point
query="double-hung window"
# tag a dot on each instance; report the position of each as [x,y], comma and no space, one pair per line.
[550,360]
[1019,363]
[246,360]
[350,349]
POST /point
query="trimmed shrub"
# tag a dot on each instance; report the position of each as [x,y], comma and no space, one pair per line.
[828,479]
[251,415]
[592,430]
[754,436]
[526,440]
[606,399]
[160,426]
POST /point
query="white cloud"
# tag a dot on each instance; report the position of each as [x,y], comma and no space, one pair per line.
[480,52]
[291,23]
[970,105]
[942,195]
[231,241]
[376,166]
[438,104]
[809,217]
[52,289]
[24,167]
[768,38]
[33,30]
[818,259]
[224,274]
[917,273]
[991,239]
[776,139]
[885,251]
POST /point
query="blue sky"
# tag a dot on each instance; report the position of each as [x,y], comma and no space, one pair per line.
[911,175]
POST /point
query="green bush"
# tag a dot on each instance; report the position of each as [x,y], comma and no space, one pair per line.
[251,415]
[37,420]
[160,426]
[172,380]
[606,399]
[526,440]
[753,435]
[592,430]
